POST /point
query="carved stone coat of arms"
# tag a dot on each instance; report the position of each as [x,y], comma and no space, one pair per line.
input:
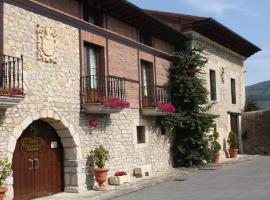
[46,44]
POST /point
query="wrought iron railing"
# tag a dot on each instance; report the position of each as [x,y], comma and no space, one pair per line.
[96,88]
[11,75]
[153,94]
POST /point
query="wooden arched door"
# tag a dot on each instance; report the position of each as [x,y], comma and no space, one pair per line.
[37,162]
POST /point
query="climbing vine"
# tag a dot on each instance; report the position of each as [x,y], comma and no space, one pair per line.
[191,122]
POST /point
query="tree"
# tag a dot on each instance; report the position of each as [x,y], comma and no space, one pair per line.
[191,122]
[251,105]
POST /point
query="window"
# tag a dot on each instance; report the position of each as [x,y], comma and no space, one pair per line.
[147,77]
[146,39]
[233,91]
[93,16]
[163,130]
[91,65]
[213,87]
[140,134]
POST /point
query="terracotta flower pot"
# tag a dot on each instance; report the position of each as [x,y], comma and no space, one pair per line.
[233,153]
[3,190]
[216,158]
[101,177]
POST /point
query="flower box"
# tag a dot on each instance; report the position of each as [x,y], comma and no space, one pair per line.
[99,109]
[159,109]
[119,180]
[8,101]
[153,111]
[106,106]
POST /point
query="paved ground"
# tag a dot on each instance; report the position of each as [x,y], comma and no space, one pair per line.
[247,171]
[249,180]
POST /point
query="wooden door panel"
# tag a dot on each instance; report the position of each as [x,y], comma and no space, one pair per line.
[46,177]
[22,171]
[234,123]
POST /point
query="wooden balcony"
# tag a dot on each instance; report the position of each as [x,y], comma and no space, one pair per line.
[103,95]
[11,81]
[152,96]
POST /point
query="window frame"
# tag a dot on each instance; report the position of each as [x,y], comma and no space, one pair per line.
[96,15]
[213,85]
[141,134]
[233,91]
[147,72]
[146,39]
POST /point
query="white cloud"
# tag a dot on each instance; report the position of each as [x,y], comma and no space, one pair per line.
[218,7]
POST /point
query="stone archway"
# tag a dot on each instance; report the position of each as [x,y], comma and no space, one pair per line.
[73,177]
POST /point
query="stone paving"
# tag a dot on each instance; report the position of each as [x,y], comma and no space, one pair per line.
[117,191]
[249,180]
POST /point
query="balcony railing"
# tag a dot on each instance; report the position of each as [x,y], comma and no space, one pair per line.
[153,94]
[11,80]
[152,98]
[11,75]
[99,88]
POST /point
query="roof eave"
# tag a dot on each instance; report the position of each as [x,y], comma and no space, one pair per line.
[209,21]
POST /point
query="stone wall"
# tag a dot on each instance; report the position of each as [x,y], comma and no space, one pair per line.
[52,87]
[222,60]
[256,132]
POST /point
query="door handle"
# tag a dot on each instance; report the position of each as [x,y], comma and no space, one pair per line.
[36,163]
[32,164]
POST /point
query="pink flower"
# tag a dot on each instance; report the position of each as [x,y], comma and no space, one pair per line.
[114,103]
[120,173]
[165,107]
[92,123]
[16,91]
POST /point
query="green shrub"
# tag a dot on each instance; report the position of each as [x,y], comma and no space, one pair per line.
[5,171]
[232,140]
[215,146]
[191,122]
[100,156]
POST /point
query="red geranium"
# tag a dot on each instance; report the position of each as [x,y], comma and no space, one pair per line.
[120,173]
[165,107]
[114,103]
[92,123]
[16,91]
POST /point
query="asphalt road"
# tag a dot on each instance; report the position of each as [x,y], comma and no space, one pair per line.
[248,180]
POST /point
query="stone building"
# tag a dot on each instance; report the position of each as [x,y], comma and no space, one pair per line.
[76,63]
[224,72]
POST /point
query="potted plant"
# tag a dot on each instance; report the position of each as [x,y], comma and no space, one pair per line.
[215,146]
[233,142]
[5,171]
[100,156]
[119,178]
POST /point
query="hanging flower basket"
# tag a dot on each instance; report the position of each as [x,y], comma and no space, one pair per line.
[92,123]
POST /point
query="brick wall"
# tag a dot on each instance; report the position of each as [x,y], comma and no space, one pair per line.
[121,28]
[71,7]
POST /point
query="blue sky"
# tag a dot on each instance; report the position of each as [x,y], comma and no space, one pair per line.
[249,18]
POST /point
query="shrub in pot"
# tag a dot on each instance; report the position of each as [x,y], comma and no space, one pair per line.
[5,171]
[233,143]
[100,156]
[215,146]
